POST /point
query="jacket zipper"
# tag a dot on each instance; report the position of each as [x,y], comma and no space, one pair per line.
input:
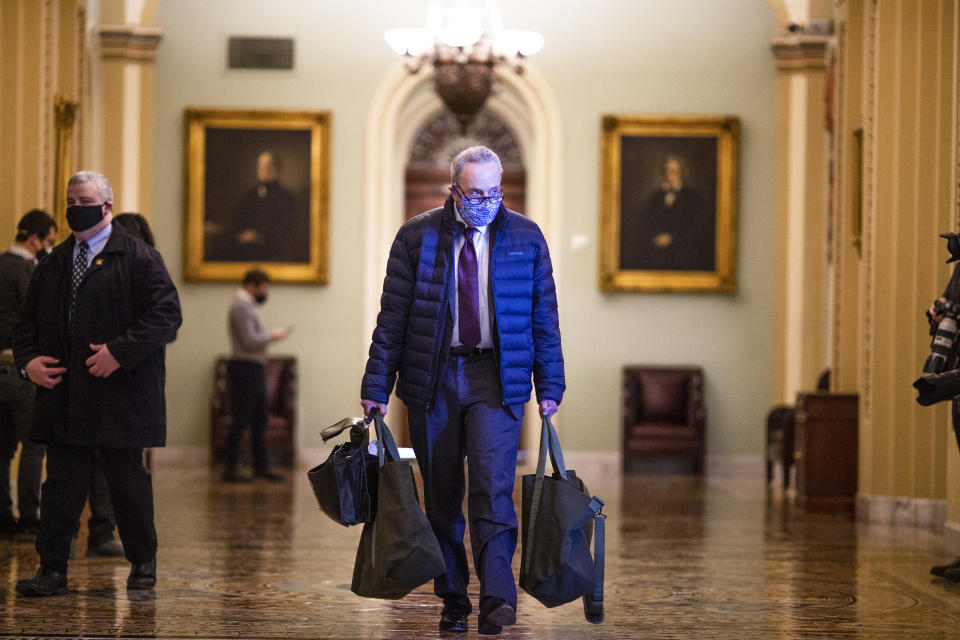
[435,365]
[492,307]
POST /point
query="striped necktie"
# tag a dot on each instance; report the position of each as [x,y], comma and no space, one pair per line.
[79,268]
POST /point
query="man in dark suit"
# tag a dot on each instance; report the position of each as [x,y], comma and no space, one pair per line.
[36,233]
[269,224]
[91,335]
[673,231]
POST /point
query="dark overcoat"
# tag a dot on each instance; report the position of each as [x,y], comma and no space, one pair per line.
[126,301]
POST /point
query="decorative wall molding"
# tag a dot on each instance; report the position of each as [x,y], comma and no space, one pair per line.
[927,513]
[49,73]
[442,137]
[65,117]
[82,90]
[837,203]
[129,41]
[867,267]
[800,52]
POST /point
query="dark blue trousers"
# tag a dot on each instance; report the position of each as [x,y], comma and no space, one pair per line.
[469,419]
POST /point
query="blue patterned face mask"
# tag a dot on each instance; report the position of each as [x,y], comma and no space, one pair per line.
[478,211]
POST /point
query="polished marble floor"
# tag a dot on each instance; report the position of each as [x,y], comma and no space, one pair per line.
[687,557]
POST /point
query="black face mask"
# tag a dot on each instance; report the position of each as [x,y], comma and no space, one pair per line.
[82,217]
[260,298]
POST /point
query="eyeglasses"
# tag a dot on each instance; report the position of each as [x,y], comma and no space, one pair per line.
[474,201]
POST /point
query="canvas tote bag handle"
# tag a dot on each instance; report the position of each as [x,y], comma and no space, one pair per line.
[386,445]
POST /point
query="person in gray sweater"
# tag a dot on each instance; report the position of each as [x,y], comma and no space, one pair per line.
[246,377]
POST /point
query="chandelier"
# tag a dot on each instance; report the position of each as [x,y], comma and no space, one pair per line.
[463,42]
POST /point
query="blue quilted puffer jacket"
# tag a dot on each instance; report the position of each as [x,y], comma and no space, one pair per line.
[415,323]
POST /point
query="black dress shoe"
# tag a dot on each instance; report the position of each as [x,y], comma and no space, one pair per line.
[267,474]
[47,582]
[952,574]
[143,576]
[453,622]
[111,548]
[495,613]
[941,569]
[231,475]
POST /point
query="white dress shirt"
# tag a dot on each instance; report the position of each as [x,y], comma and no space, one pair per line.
[95,244]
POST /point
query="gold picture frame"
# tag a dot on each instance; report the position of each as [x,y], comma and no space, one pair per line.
[257,194]
[668,203]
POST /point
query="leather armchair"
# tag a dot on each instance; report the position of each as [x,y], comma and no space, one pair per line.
[281,377]
[663,415]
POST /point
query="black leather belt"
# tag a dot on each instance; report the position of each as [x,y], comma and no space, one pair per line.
[463,352]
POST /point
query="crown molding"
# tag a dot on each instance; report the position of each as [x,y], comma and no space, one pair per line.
[800,52]
[129,42]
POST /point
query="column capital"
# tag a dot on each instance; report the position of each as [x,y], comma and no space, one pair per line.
[129,42]
[800,52]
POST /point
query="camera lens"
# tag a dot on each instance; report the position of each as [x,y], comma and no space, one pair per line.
[941,345]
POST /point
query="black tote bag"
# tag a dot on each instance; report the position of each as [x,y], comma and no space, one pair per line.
[398,551]
[558,517]
[345,484]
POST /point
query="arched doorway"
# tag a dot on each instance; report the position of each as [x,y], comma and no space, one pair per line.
[427,175]
[402,106]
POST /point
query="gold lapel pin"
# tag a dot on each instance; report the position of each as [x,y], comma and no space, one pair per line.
[98,261]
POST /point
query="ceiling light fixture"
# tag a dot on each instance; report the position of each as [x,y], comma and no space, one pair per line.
[463,42]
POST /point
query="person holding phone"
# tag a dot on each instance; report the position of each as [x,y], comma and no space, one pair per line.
[247,378]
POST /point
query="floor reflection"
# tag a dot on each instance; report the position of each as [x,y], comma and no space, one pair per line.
[687,557]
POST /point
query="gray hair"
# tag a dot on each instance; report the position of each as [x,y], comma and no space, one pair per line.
[472,154]
[106,191]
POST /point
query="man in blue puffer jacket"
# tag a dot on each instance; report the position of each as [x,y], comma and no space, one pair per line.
[468,314]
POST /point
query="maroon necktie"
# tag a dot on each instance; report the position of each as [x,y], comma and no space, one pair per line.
[467,300]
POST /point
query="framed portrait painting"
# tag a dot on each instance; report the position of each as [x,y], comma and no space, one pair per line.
[256,194]
[668,203]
